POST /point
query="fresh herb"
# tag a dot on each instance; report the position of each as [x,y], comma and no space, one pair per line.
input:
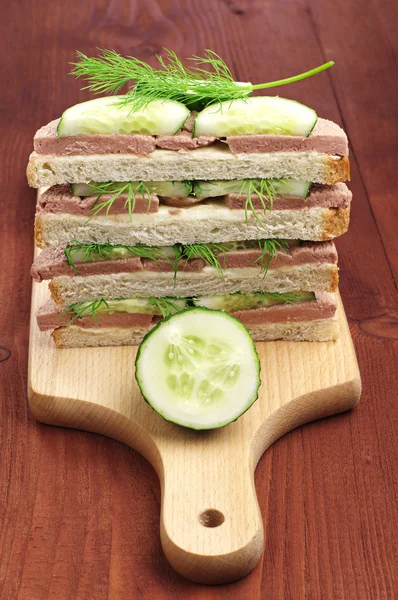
[189,186]
[128,188]
[197,189]
[196,87]
[207,252]
[89,252]
[269,250]
[167,306]
[84,309]
[264,190]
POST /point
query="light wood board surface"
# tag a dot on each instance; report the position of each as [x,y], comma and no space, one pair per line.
[211,527]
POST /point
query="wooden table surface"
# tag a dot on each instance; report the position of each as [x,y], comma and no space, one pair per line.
[79,512]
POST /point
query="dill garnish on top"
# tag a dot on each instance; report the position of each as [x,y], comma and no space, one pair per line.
[196,87]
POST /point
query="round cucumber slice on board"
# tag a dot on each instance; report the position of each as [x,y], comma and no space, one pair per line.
[107,116]
[258,115]
[199,368]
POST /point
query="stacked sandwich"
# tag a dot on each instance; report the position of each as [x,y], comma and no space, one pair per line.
[147,207]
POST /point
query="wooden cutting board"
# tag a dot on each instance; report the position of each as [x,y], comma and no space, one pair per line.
[211,528]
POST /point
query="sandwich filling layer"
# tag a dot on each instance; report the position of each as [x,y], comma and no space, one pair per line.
[327,137]
[85,260]
[61,199]
[254,308]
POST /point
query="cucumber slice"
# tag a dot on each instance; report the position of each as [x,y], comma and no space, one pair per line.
[198,368]
[142,306]
[258,115]
[173,189]
[107,116]
[237,301]
[289,188]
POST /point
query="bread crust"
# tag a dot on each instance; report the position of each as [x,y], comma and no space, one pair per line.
[335,222]
[338,170]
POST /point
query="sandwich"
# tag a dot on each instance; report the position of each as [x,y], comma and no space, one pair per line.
[191,194]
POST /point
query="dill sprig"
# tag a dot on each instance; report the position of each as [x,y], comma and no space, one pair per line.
[264,190]
[131,189]
[84,309]
[196,86]
[189,186]
[269,251]
[106,251]
[167,306]
[207,252]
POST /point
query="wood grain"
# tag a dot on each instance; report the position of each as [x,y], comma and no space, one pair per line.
[79,512]
[210,524]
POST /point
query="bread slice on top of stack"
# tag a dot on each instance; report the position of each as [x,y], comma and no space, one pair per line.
[150,206]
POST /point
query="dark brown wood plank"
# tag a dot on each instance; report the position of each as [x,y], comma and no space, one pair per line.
[80,513]
[366,89]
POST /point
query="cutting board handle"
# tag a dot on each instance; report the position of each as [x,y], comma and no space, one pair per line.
[211,525]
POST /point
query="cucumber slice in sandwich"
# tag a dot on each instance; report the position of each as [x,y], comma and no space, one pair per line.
[258,115]
[108,116]
[290,188]
[143,306]
[238,301]
[198,368]
[173,189]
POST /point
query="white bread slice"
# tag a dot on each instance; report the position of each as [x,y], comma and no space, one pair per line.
[307,277]
[214,162]
[320,330]
[210,222]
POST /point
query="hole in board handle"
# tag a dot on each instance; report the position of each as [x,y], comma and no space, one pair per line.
[211,518]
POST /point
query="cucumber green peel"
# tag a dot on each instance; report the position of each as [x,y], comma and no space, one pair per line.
[261,115]
[195,87]
[108,115]
[199,369]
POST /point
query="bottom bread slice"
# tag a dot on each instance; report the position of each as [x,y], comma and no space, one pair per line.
[320,330]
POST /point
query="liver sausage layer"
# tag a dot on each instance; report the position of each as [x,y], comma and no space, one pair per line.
[326,137]
[60,199]
[46,141]
[49,317]
[324,307]
[183,141]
